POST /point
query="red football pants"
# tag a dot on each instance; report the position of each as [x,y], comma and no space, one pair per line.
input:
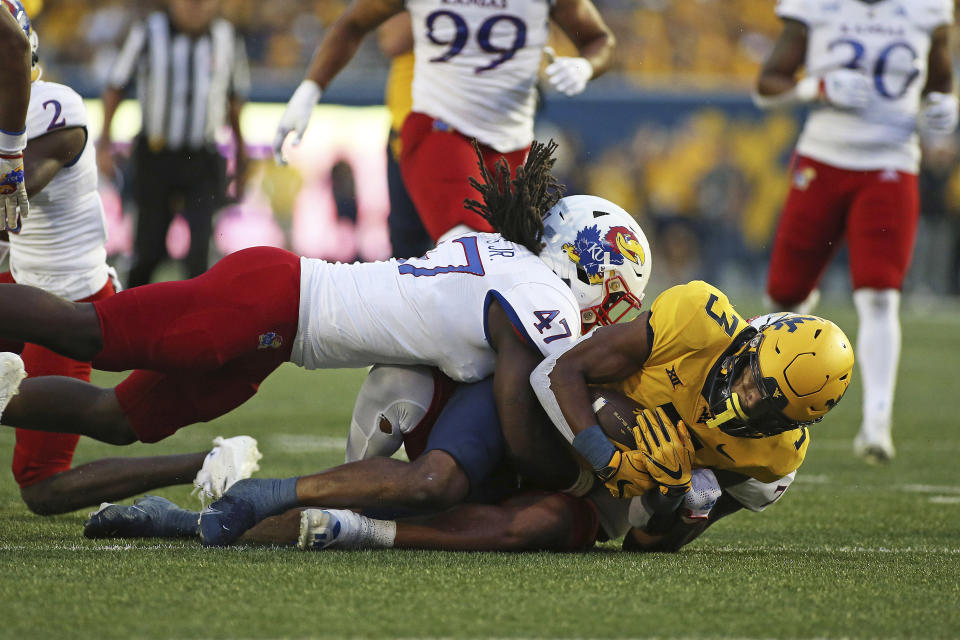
[436,163]
[38,455]
[202,346]
[875,211]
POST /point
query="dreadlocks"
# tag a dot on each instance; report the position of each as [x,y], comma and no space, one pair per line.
[515,208]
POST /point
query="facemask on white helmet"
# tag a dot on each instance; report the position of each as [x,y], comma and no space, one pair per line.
[599,250]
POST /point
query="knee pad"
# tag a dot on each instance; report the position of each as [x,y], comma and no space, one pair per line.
[391,402]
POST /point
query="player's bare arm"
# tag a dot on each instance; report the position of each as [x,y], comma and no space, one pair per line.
[111,99]
[940,67]
[612,353]
[333,54]
[345,35]
[15,79]
[581,22]
[536,447]
[395,36]
[779,72]
[47,154]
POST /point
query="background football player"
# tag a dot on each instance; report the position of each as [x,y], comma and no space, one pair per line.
[875,73]
[475,75]
[61,249]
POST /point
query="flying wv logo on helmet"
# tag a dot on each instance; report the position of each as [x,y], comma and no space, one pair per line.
[593,253]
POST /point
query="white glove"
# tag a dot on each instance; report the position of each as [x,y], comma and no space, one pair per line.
[938,115]
[568,75]
[847,88]
[296,117]
[13,193]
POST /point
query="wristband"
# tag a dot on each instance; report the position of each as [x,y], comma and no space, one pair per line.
[12,143]
[593,444]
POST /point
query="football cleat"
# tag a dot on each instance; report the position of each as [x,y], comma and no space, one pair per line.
[12,373]
[123,521]
[876,450]
[230,460]
[224,521]
[322,528]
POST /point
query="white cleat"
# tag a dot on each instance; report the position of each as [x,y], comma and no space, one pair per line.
[230,460]
[12,373]
[874,449]
[322,528]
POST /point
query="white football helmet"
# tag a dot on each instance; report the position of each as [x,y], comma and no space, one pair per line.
[599,250]
[15,7]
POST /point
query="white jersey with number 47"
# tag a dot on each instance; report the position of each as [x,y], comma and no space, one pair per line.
[431,310]
[477,63]
[889,41]
[61,245]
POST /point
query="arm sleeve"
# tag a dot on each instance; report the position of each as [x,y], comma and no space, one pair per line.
[540,381]
[121,73]
[756,495]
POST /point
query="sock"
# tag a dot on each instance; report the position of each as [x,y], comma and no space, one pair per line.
[878,354]
[269,496]
[361,532]
[169,520]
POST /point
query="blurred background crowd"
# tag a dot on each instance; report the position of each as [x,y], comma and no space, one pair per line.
[671,134]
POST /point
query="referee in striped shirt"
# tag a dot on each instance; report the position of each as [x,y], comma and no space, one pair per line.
[191,74]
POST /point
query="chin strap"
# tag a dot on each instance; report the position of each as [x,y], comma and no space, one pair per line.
[732,410]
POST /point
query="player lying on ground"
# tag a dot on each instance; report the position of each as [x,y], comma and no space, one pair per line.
[60,249]
[522,520]
[479,304]
[462,457]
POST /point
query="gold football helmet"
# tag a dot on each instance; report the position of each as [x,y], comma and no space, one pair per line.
[802,365]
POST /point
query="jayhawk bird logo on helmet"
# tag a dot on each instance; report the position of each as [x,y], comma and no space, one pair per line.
[601,253]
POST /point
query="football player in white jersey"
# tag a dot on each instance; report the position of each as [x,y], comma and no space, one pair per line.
[475,77]
[877,73]
[15,52]
[477,305]
[60,248]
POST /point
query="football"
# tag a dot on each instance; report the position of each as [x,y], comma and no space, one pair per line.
[616,414]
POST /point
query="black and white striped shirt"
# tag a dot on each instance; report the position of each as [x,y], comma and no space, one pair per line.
[183,82]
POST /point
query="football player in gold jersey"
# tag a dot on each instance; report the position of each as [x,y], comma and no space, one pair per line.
[725,396]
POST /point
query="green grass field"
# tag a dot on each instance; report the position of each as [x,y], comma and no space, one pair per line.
[851,551]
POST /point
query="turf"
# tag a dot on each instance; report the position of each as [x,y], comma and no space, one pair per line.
[851,551]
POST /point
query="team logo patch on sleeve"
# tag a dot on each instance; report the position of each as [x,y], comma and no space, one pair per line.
[270,340]
[590,252]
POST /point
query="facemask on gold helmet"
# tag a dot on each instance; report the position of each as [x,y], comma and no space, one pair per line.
[802,366]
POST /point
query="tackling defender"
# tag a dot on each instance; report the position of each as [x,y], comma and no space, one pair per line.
[479,304]
[875,73]
[475,74]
